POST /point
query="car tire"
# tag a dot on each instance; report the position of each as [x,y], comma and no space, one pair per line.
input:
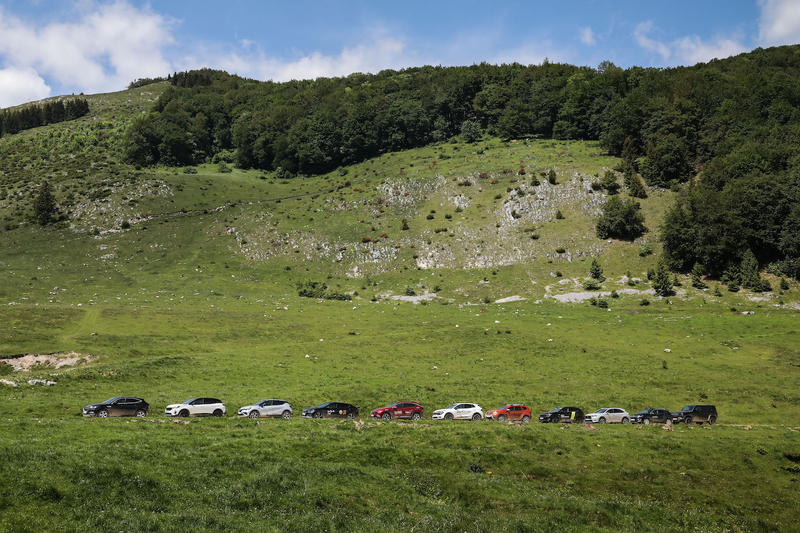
[712,420]
[501,418]
[386,416]
[141,413]
[351,415]
[184,413]
[103,413]
[286,415]
[526,419]
[217,412]
[254,414]
[476,417]
[668,422]
[625,420]
[448,416]
[687,420]
[601,421]
[316,414]
[416,416]
[646,421]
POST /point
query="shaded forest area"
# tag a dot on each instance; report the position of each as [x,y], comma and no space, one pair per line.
[32,116]
[730,127]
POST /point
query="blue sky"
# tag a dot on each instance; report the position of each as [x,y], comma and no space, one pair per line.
[50,47]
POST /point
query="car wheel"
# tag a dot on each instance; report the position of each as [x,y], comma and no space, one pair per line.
[286,415]
[687,420]
[476,417]
[184,413]
[668,422]
[141,413]
[351,415]
[712,420]
[102,413]
[317,414]
[448,416]
[416,416]
[646,421]
[602,421]
[526,419]
[253,414]
[626,421]
[217,412]
[501,418]
[386,416]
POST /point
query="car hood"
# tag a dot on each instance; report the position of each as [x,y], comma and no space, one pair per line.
[254,406]
[174,405]
[93,405]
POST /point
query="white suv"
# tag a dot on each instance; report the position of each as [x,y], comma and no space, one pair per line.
[610,415]
[196,407]
[461,411]
[267,409]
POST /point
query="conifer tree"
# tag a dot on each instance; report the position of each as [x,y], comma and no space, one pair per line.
[697,277]
[596,271]
[44,205]
[663,280]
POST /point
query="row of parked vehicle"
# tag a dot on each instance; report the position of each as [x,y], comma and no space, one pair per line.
[273,408]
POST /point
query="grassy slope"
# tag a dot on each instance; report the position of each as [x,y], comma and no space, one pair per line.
[200,299]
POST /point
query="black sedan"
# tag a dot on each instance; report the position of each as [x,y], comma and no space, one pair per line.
[118,406]
[331,410]
[564,415]
[652,416]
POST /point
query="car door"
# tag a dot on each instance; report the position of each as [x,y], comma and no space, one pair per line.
[615,415]
[117,407]
[126,406]
[198,407]
[565,415]
[332,410]
[464,410]
[404,410]
[514,412]
[268,409]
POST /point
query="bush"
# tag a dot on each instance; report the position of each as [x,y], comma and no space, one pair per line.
[190,170]
[317,289]
[644,302]
[560,250]
[125,224]
[784,285]
[610,183]
[620,219]
[551,177]
[470,131]
[603,304]
[222,168]
[645,250]
[404,226]
[429,217]
[559,215]
[591,285]
[410,291]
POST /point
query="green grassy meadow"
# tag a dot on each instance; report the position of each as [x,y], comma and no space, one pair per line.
[185,284]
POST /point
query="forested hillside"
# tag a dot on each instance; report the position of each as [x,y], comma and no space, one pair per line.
[732,124]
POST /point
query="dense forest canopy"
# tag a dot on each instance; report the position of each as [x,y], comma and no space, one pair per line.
[729,126]
[35,115]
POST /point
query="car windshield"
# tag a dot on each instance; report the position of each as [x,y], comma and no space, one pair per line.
[110,400]
[391,405]
[452,406]
[556,410]
[190,400]
[502,408]
[601,410]
[645,411]
[262,403]
[322,405]
[688,408]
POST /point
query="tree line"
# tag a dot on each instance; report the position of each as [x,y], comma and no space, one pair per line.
[730,127]
[35,115]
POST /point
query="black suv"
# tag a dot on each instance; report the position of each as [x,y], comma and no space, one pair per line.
[562,414]
[697,414]
[652,416]
[118,406]
[331,410]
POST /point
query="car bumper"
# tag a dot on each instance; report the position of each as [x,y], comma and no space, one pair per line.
[438,416]
[89,414]
[171,413]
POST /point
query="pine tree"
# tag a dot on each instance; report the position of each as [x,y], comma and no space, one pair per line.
[44,205]
[596,271]
[663,280]
[635,185]
[697,277]
[749,271]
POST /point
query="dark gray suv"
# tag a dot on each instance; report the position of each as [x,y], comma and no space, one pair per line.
[697,414]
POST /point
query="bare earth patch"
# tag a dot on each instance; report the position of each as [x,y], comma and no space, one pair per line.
[26,362]
[515,298]
[426,296]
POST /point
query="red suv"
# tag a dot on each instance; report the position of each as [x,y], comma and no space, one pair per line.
[510,412]
[411,410]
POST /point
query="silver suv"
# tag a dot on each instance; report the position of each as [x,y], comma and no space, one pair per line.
[608,415]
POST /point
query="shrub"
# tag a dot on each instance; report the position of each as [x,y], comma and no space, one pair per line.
[603,304]
[190,170]
[560,250]
[614,294]
[410,291]
[521,171]
[784,285]
[535,182]
[620,219]
[448,216]
[429,217]
[645,250]
[609,182]
[125,224]
[559,215]
[470,131]
[591,285]
[644,302]
[224,169]
[459,209]
[404,226]
[318,289]
[551,177]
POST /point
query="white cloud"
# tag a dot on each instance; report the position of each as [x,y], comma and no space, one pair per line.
[586,35]
[21,85]
[687,50]
[109,46]
[780,22]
